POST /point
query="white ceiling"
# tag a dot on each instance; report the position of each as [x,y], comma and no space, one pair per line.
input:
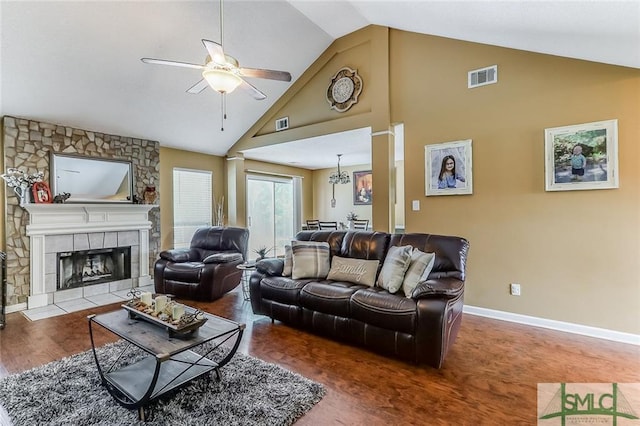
[78,63]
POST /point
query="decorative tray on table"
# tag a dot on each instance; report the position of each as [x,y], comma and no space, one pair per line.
[189,322]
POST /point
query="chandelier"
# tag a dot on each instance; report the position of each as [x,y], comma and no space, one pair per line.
[338,176]
[335,178]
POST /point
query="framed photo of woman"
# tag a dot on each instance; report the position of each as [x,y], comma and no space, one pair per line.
[448,168]
[41,193]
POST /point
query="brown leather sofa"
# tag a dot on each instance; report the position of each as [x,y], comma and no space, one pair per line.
[208,269]
[420,328]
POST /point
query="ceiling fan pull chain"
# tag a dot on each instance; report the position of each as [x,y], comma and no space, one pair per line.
[224,113]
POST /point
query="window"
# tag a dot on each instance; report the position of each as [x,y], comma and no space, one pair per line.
[272,212]
[191,204]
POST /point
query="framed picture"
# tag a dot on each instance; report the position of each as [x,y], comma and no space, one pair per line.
[582,156]
[362,187]
[41,192]
[448,168]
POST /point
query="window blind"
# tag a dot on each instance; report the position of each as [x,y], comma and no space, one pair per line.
[192,204]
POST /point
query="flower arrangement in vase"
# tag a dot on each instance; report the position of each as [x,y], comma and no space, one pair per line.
[351,216]
[21,183]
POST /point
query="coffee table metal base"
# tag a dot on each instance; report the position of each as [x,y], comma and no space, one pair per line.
[135,385]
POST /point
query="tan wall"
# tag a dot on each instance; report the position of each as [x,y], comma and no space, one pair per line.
[171,158]
[575,253]
[277,169]
[344,196]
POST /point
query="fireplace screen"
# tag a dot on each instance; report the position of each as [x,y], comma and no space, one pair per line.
[88,267]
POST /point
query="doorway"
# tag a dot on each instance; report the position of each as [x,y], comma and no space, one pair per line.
[271,213]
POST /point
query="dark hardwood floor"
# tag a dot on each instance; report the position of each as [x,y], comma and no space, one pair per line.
[489,377]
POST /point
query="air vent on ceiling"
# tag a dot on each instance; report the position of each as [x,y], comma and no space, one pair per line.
[483,76]
[282,123]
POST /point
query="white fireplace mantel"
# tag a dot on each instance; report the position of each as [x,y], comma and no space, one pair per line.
[59,219]
[51,219]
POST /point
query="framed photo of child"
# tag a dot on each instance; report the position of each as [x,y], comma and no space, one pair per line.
[41,193]
[448,168]
[582,156]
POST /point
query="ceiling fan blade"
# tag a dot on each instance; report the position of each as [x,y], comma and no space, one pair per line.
[252,90]
[270,74]
[198,87]
[215,51]
[172,63]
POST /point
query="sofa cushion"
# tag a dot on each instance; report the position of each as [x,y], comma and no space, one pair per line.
[329,297]
[310,259]
[419,269]
[288,261]
[378,307]
[357,271]
[394,267]
[282,289]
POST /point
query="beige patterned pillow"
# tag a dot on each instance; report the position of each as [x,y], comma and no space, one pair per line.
[419,269]
[310,259]
[357,271]
[288,261]
[394,267]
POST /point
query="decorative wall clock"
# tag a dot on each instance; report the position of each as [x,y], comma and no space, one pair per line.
[344,89]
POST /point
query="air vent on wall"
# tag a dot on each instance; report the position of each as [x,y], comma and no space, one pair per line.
[282,123]
[483,76]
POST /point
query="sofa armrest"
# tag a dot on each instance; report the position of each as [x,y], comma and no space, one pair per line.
[271,266]
[222,258]
[447,287]
[178,255]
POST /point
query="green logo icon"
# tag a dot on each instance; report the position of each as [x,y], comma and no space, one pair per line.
[566,404]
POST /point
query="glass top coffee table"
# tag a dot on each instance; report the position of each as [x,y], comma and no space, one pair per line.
[169,362]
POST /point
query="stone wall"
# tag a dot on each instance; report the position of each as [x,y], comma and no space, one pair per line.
[27,146]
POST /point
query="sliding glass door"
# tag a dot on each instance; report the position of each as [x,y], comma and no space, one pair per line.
[271,212]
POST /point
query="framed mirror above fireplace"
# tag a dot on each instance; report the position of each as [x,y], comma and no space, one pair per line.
[90,179]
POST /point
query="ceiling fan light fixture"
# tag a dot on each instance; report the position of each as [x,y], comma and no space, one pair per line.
[222,81]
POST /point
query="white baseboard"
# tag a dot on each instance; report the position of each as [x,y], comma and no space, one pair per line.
[585,330]
[15,308]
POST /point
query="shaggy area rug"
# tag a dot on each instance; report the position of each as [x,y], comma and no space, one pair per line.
[69,392]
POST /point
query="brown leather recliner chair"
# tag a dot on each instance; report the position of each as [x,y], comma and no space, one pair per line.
[208,269]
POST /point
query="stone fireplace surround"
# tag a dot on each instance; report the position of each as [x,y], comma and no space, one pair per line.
[26,144]
[57,228]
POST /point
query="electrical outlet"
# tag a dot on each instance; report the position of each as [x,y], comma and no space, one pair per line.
[514,289]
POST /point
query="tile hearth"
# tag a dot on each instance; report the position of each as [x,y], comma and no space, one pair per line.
[80,304]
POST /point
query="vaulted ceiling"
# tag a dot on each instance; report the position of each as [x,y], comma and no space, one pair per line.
[78,63]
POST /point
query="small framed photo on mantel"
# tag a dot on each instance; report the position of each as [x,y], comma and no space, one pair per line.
[581,156]
[448,168]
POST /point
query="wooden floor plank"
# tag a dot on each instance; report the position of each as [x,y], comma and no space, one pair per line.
[489,377]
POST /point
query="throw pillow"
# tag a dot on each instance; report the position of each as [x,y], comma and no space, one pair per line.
[357,271]
[419,269]
[288,261]
[310,259]
[394,267]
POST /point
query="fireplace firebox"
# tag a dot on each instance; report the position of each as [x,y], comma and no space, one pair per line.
[88,267]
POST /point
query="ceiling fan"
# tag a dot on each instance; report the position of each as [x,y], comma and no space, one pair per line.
[223,72]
